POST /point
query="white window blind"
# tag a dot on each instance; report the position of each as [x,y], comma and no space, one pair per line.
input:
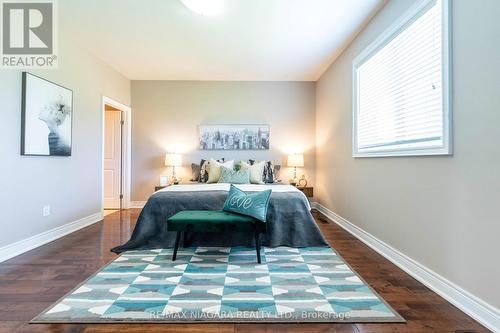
[400,106]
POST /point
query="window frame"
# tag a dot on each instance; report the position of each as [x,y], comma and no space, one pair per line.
[387,36]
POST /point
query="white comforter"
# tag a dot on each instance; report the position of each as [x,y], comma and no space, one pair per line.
[225,187]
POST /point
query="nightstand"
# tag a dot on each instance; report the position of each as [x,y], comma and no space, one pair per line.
[159,187]
[308,191]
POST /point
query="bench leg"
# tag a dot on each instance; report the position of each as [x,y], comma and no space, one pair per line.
[257,245]
[176,246]
[184,241]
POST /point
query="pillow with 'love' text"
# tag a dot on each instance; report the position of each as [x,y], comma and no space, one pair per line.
[249,204]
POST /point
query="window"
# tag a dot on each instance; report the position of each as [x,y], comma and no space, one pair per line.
[401,97]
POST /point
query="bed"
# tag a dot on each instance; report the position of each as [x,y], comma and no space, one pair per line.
[289,220]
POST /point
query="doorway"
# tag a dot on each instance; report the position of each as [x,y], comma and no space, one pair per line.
[115,156]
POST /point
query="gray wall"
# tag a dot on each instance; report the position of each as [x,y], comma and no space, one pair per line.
[166,115]
[70,185]
[440,211]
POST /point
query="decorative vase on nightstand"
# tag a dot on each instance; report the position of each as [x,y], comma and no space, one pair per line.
[302,181]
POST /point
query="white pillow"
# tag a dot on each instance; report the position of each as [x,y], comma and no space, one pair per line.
[256,171]
[214,169]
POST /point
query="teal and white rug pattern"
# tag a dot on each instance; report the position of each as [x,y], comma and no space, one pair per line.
[223,285]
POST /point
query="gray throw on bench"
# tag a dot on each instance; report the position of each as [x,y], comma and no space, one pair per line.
[289,222]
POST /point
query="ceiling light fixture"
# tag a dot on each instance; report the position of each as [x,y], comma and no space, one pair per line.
[205,7]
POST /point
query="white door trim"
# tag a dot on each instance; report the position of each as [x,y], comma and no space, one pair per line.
[127,148]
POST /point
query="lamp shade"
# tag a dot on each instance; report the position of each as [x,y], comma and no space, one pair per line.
[173,160]
[296,160]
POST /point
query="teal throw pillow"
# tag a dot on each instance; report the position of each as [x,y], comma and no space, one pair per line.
[253,204]
[234,176]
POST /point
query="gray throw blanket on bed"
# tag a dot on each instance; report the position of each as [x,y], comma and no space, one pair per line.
[289,222]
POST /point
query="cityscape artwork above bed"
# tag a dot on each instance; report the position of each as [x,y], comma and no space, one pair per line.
[234,137]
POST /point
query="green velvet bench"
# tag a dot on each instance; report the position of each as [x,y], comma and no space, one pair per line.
[214,221]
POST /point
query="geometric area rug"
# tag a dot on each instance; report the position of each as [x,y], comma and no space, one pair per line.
[209,284]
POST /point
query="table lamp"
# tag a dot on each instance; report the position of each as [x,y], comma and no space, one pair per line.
[173,160]
[295,160]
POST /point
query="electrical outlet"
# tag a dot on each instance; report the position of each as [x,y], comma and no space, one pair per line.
[46,210]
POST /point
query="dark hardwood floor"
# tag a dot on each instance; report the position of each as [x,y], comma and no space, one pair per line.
[31,282]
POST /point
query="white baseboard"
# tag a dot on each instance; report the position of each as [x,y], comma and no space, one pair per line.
[24,245]
[137,204]
[484,313]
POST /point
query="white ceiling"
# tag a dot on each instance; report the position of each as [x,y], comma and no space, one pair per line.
[253,40]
